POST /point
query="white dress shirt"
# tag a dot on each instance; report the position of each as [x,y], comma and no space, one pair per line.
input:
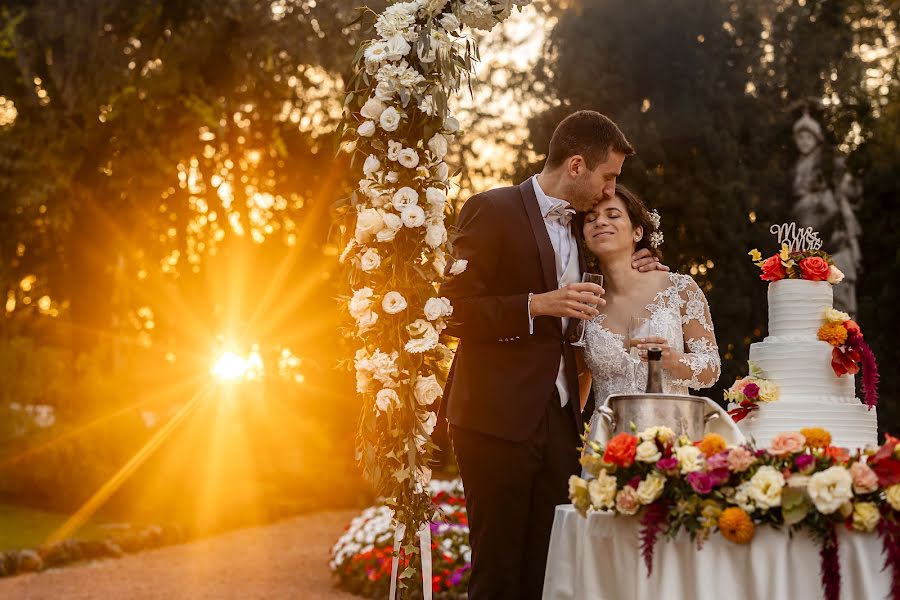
[565,250]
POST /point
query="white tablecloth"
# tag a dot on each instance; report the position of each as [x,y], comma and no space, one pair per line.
[599,558]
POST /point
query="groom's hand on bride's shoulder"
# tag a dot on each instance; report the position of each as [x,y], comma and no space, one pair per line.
[576,300]
[643,260]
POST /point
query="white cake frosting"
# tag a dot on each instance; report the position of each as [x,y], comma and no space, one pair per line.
[810,394]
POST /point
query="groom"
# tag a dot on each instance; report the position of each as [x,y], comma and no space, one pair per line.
[512,396]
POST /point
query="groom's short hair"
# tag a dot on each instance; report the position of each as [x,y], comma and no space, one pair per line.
[588,134]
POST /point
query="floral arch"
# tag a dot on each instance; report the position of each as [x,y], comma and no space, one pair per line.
[398,127]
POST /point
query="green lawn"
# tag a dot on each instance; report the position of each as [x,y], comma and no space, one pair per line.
[22,527]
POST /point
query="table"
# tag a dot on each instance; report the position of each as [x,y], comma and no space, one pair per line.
[599,558]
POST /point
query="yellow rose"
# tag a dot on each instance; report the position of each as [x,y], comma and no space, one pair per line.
[651,488]
[865,516]
[892,494]
[768,391]
[602,491]
[835,316]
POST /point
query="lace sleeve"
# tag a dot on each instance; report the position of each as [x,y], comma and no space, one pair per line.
[701,354]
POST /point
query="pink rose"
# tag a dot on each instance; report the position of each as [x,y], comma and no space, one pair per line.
[787,443]
[627,502]
[865,481]
[751,391]
[740,459]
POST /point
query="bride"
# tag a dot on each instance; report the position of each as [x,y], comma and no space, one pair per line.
[658,309]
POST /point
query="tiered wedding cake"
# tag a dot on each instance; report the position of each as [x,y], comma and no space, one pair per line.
[810,394]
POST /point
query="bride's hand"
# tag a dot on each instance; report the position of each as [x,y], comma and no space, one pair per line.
[670,356]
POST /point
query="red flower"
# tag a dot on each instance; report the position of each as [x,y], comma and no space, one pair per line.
[621,450]
[852,328]
[814,268]
[751,390]
[772,269]
[844,362]
[837,454]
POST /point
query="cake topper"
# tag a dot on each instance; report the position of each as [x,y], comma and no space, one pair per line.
[798,239]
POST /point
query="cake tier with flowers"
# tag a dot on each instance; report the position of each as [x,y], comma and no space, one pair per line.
[803,373]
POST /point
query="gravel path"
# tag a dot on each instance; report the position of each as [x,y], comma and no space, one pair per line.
[285,561]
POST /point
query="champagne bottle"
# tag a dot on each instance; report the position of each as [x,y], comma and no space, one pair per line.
[654,371]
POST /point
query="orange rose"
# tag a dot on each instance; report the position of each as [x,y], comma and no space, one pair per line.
[814,268]
[772,269]
[837,454]
[621,450]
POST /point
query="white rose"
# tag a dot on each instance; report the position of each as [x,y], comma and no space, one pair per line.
[361,302]
[602,490]
[368,223]
[404,198]
[390,119]
[427,390]
[449,22]
[397,47]
[384,91]
[662,433]
[393,303]
[397,18]
[438,146]
[372,165]
[366,321]
[386,399]
[391,177]
[442,172]
[408,157]
[690,458]
[413,216]
[372,109]
[436,197]
[370,260]
[458,267]
[766,486]
[435,235]
[742,498]
[835,275]
[367,129]
[392,224]
[832,315]
[647,452]
[429,423]
[435,308]
[831,488]
[651,488]
[394,148]
[427,105]
[451,125]
[440,262]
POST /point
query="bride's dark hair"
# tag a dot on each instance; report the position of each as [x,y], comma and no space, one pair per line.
[637,214]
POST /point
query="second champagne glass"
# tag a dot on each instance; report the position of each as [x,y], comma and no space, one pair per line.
[638,327]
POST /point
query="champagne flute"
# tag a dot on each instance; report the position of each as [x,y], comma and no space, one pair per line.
[580,325]
[638,327]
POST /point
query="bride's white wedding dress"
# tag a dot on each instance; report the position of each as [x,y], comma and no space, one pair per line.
[680,314]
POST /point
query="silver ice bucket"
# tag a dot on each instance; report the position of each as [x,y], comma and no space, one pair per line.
[685,415]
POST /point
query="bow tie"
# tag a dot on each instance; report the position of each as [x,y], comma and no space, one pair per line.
[561,213]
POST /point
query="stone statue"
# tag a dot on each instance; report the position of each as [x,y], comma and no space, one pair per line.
[828,207]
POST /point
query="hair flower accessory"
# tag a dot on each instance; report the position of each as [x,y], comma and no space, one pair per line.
[656,238]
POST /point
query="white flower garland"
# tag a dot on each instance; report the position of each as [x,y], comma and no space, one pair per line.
[398,123]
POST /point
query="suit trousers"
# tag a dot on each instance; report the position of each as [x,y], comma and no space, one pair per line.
[512,489]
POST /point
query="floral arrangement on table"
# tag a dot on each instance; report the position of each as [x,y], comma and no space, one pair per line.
[747,393]
[361,558]
[850,351]
[801,483]
[812,265]
[399,130]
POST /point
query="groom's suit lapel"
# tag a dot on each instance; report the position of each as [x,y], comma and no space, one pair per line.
[545,248]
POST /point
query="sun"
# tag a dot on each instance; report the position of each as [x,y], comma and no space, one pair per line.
[230,367]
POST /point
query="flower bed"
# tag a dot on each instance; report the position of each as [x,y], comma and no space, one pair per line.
[361,558]
[801,483]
